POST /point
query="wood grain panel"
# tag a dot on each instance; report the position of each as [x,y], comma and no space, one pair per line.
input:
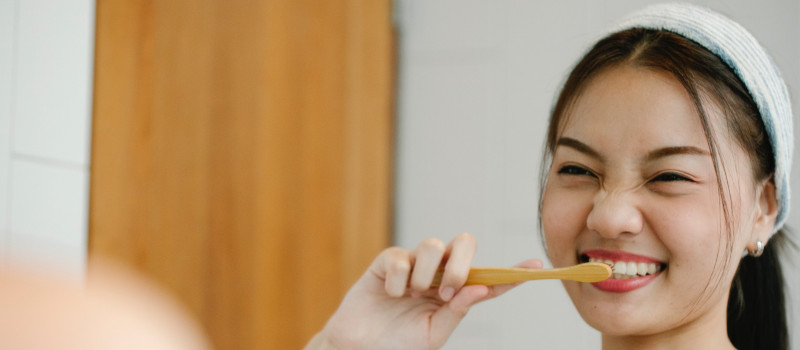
[242,155]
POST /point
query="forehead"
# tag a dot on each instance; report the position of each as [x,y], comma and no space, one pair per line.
[631,106]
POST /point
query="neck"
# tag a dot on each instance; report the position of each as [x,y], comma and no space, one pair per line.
[707,331]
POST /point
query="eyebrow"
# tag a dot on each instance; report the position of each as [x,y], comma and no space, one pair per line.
[671,151]
[580,147]
[651,156]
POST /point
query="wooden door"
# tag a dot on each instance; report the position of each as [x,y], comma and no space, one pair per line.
[242,155]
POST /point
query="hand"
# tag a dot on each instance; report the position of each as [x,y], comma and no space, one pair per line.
[393,305]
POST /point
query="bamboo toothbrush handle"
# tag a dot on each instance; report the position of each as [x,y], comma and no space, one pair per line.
[586,272]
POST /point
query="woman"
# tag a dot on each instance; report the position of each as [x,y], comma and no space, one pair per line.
[668,154]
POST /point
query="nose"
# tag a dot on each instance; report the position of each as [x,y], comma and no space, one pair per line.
[614,214]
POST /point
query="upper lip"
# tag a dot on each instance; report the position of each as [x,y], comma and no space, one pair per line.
[619,255]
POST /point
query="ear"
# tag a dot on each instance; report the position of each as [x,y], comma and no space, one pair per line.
[766,212]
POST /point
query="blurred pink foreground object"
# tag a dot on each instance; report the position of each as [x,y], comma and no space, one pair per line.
[113,309]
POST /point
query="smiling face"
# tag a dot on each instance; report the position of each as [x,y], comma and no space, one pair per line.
[632,182]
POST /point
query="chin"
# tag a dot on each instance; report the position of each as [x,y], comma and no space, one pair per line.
[614,326]
[610,316]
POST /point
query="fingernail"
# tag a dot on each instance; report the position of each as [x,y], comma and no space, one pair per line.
[447,293]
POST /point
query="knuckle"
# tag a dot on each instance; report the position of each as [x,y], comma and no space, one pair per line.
[432,244]
[399,267]
[392,254]
[466,237]
[392,251]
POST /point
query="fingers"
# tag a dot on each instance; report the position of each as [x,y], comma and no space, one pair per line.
[428,258]
[445,320]
[400,268]
[461,252]
[530,264]
[393,266]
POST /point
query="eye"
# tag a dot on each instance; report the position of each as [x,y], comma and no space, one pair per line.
[670,177]
[575,170]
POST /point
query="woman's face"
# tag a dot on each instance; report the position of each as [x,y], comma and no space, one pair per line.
[632,182]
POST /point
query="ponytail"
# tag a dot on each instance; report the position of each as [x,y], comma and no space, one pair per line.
[757,304]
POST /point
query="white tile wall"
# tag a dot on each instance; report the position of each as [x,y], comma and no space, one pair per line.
[48,202]
[477,79]
[46,52]
[7,35]
[53,82]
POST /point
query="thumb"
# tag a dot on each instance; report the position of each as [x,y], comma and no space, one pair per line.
[500,289]
[445,320]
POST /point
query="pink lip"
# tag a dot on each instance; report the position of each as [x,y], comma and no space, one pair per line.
[622,286]
[627,285]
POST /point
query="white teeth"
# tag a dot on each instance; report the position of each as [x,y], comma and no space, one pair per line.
[631,269]
[623,270]
[620,268]
[641,269]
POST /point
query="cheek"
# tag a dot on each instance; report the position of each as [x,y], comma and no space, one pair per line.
[563,219]
[692,231]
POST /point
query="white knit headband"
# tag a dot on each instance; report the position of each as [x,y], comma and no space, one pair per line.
[740,50]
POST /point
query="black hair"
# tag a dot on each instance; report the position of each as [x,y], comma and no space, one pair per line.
[757,305]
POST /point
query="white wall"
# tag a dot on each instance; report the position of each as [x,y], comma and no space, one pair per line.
[46,59]
[477,78]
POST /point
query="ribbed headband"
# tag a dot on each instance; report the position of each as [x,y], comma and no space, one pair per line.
[740,50]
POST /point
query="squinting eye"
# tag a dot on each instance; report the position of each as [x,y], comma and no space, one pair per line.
[575,170]
[668,177]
